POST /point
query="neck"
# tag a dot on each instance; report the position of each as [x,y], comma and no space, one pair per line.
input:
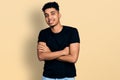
[57,28]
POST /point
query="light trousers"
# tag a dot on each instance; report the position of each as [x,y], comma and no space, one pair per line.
[66,78]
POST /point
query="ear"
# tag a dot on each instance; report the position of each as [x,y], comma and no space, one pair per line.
[59,15]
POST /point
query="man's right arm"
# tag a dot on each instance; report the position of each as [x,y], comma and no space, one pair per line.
[45,54]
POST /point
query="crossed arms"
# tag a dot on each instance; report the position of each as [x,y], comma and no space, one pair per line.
[68,54]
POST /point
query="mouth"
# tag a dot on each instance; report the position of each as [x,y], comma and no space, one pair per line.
[51,22]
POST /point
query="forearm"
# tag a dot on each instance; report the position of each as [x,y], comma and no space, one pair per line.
[50,55]
[68,58]
[73,54]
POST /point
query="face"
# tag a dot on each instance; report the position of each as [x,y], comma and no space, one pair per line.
[52,17]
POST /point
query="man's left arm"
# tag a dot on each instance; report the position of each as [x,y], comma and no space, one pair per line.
[74,49]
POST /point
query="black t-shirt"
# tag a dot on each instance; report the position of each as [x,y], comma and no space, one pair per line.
[56,42]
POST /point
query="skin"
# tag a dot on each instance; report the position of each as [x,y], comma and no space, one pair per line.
[68,54]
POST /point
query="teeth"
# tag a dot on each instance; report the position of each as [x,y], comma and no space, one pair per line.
[51,21]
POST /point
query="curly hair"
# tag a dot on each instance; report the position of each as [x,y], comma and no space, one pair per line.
[51,5]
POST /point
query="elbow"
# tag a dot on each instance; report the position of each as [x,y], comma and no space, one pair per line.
[73,60]
[40,57]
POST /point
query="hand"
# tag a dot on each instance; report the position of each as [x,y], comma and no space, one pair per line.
[42,47]
[66,51]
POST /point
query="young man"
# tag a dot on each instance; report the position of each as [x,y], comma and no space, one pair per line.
[58,46]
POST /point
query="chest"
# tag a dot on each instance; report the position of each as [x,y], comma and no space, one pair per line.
[58,42]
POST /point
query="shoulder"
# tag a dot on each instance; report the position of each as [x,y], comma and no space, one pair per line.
[46,30]
[70,28]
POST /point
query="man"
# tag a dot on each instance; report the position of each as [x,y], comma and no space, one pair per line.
[58,46]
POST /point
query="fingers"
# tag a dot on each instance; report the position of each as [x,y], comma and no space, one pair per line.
[42,43]
[42,47]
[66,49]
[41,50]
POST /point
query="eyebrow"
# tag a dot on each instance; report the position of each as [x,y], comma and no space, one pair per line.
[52,11]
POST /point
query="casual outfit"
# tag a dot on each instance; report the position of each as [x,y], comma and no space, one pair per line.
[54,69]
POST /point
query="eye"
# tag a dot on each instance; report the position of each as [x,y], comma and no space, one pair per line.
[46,15]
[52,13]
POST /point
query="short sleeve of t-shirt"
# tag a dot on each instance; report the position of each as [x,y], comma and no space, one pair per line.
[74,36]
[41,36]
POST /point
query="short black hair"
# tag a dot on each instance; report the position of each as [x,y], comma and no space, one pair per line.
[51,5]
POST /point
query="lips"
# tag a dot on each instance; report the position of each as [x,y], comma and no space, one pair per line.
[51,21]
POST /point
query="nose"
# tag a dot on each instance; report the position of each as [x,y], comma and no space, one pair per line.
[49,17]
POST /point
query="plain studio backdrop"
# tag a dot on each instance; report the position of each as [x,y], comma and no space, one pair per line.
[98,23]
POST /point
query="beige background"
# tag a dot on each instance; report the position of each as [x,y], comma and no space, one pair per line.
[98,22]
